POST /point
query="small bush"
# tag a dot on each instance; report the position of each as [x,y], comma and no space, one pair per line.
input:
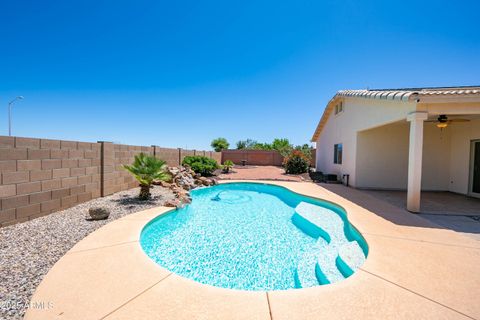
[201,165]
[296,162]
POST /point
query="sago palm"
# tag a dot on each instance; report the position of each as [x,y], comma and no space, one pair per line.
[227,165]
[146,169]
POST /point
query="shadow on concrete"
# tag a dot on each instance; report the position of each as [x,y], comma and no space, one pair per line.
[439,209]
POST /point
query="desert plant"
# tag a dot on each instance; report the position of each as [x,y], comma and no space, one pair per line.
[146,169]
[227,165]
[296,162]
[220,144]
[201,165]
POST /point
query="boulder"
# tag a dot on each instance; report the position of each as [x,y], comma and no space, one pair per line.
[172,203]
[98,213]
[185,179]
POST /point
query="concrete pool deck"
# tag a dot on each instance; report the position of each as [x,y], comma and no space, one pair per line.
[414,270]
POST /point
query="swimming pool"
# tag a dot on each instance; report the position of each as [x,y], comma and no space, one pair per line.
[253,236]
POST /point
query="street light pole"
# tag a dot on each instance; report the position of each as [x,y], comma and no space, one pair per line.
[10,114]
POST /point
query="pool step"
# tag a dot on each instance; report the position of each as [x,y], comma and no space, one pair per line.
[305,275]
[350,258]
[318,221]
[326,268]
[334,257]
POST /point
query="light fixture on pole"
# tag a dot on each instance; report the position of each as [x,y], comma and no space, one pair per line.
[10,114]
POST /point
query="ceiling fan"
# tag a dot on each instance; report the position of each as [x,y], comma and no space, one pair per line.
[443,121]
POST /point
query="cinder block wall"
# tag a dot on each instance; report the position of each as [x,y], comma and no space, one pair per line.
[214,155]
[170,155]
[253,157]
[125,154]
[256,157]
[41,176]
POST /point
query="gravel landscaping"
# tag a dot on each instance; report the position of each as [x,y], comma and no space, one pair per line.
[28,250]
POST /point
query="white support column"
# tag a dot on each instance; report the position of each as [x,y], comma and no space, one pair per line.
[415,160]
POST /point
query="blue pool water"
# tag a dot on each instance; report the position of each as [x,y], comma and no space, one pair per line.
[255,237]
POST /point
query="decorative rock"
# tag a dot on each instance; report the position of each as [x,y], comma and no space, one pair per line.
[186,200]
[172,203]
[173,170]
[182,177]
[185,179]
[163,184]
[98,213]
[22,267]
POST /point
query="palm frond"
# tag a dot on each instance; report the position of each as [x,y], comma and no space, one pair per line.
[146,169]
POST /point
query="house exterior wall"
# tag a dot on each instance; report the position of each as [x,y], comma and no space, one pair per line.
[461,136]
[375,147]
[382,157]
[359,114]
[436,157]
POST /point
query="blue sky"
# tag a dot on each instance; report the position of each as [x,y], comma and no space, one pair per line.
[180,73]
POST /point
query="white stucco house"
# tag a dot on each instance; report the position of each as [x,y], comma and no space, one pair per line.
[403,139]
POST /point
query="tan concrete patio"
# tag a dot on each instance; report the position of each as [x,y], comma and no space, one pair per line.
[441,203]
[445,209]
[415,270]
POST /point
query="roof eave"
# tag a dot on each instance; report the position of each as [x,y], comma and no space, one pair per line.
[324,117]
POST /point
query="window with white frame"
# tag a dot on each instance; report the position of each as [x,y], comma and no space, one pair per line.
[337,153]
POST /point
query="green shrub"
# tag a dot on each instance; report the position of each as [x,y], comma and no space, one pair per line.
[296,162]
[201,165]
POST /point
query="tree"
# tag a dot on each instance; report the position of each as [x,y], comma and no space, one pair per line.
[242,144]
[283,146]
[220,144]
[146,169]
[306,150]
[262,146]
[246,144]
